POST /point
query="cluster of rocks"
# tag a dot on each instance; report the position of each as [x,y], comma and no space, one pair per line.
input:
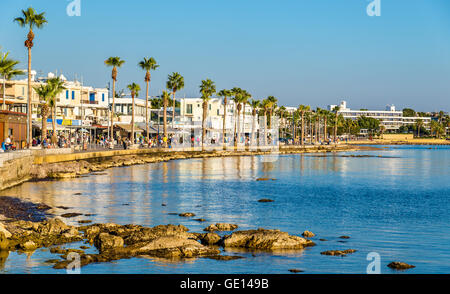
[115,241]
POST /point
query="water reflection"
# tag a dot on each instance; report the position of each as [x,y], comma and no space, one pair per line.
[384,204]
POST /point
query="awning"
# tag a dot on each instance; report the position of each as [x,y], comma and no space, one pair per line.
[127,128]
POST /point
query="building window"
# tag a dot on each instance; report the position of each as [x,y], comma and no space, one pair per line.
[209,106]
[67,94]
[103,97]
[73,95]
[189,108]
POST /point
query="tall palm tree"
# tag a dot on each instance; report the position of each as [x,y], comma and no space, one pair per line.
[246,96]
[134,88]
[237,92]
[45,94]
[303,108]
[8,71]
[57,87]
[175,82]
[273,102]
[336,113]
[165,98]
[419,125]
[281,112]
[207,89]
[255,105]
[266,106]
[30,19]
[225,94]
[147,64]
[114,62]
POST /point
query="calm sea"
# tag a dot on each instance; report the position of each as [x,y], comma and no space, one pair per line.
[396,205]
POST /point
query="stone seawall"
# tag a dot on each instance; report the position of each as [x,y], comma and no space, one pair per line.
[39,166]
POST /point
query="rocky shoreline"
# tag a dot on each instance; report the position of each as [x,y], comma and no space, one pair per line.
[114,241]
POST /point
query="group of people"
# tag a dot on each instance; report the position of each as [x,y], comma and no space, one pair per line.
[8,144]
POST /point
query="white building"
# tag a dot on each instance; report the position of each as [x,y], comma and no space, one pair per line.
[390,118]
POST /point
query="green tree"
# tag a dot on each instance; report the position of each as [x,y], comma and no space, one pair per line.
[408,112]
[369,123]
[30,19]
[8,71]
[45,94]
[57,87]
[134,88]
[165,99]
[225,94]
[175,82]
[303,109]
[115,63]
[147,64]
[419,125]
[255,105]
[207,89]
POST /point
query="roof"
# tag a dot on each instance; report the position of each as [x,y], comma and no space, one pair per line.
[127,128]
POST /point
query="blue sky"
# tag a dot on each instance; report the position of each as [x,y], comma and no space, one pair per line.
[301,51]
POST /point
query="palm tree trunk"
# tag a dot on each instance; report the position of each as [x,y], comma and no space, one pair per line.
[335,127]
[29,112]
[147,128]
[54,125]
[239,127]
[325,135]
[4,93]
[132,120]
[112,110]
[223,125]
[205,109]
[165,119]
[303,129]
[173,110]
[265,128]
[44,127]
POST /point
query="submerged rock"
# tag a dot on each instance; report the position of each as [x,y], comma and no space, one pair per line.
[338,252]
[265,239]
[221,227]
[28,246]
[224,257]
[209,238]
[344,237]
[105,241]
[70,215]
[308,234]
[265,200]
[400,265]
[294,270]
[187,214]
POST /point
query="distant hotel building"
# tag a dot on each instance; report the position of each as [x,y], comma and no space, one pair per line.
[390,118]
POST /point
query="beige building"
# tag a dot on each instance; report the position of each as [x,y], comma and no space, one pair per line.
[75,107]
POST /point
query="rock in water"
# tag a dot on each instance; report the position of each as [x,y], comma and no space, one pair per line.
[338,252]
[28,246]
[400,265]
[308,234]
[209,238]
[187,214]
[265,239]
[265,200]
[105,241]
[4,231]
[4,243]
[221,227]
[294,270]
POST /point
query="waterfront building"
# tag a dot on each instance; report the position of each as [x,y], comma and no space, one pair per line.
[390,118]
[77,107]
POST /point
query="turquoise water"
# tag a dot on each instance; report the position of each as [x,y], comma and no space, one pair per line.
[397,205]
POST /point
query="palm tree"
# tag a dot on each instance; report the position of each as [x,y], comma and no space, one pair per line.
[30,19]
[165,98]
[175,82]
[419,125]
[246,96]
[225,94]
[303,108]
[134,88]
[57,87]
[115,62]
[281,112]
[266,106]
[44,93]
[147,64]
[207,89]
[238,99]
[336,113]
[255,105]
[273,103]
[8,71]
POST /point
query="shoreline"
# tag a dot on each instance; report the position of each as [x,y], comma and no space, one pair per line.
[72,165]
